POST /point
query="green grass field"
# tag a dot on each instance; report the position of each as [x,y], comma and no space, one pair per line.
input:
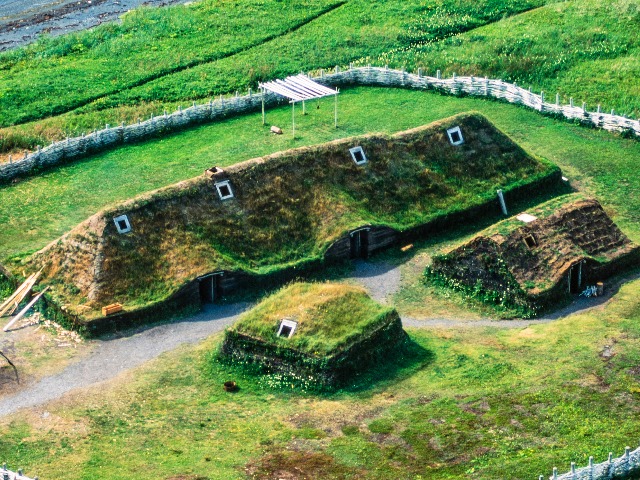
[593,56]
[464,403]
[205,49]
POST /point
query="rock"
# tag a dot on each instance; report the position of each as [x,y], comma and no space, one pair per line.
[276,130]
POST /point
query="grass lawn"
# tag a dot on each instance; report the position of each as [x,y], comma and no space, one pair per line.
[207,48]
[466,403]
[585,49]
[39,209]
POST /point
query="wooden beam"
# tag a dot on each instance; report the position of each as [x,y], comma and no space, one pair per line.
[25,310]
[11,304]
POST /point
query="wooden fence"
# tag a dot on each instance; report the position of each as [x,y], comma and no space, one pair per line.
[110,137]
[625,467]
[6,474]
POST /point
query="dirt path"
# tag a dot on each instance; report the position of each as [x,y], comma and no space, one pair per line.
[22,21]
[117,354]
[113,355]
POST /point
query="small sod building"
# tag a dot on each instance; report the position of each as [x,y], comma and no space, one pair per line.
[541,257]
[320,333]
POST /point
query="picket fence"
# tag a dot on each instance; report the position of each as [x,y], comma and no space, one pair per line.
[79,147]
[6,474]
[625,467]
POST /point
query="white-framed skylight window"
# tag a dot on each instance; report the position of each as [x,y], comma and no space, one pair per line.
[224,190]
[122,224]
[357,153]
[455,136]
[287,328]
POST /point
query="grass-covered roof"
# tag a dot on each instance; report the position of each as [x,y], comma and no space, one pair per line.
[532,259]
[329,317]
[287,210]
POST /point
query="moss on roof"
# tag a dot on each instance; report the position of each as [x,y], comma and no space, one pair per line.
[330,317]
[528,263]
[287,210]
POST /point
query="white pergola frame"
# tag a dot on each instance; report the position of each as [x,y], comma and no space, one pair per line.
[299,88]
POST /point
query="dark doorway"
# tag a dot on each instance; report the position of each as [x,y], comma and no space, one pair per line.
[210,289]
[575,278]
[360,244]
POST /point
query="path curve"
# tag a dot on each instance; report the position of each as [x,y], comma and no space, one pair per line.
[118,353]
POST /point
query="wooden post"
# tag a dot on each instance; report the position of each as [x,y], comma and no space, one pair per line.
[304,108]
[293,119]
[263,117]
[335,110]
[503,205]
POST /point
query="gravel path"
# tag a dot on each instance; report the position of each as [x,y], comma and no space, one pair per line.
[381,279]
[22,21]
[117,354]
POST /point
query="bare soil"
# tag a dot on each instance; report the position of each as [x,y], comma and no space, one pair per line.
[23,21]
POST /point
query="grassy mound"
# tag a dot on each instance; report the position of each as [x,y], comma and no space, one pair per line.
[572,243]
[287,210]
[339,332]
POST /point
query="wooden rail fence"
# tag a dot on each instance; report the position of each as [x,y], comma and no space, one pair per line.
[110,137]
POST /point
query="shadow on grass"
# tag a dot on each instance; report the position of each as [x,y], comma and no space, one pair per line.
[409,359]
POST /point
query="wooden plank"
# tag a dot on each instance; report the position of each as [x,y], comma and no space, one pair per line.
[9,300]
[113,308]
[19,295]
[25,310]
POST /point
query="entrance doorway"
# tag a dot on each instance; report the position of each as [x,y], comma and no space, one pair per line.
[210,287]
[575,278]
[360,243]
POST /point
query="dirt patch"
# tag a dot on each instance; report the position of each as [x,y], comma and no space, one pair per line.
[298,465]
[24,21]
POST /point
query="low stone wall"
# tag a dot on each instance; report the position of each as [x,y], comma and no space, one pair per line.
[625,467]
[111,137]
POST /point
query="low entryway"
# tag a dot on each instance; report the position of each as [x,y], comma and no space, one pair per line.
[210,287]
[575,278]
[360,243]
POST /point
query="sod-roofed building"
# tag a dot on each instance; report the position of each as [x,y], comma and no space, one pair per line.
[270,218]
[321,333]
[537,258]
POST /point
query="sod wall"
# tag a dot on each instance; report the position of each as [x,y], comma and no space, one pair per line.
[332,370]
